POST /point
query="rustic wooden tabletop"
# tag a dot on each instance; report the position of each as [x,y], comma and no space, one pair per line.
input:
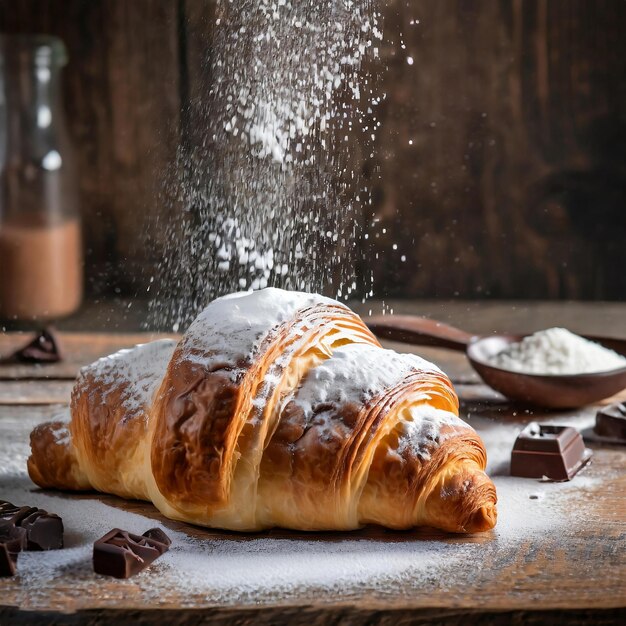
[556,555]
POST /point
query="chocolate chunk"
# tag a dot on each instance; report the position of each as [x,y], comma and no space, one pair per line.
[611,422]
[158,535]
[12,542]
[43,348]
[122,554]
[44,531]
[556,452]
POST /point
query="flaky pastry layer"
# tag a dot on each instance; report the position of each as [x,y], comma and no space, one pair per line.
[275,409]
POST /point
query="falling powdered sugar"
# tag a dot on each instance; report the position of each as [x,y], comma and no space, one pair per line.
[263,192]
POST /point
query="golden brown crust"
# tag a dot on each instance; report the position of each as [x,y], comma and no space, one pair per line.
[105,432]
[196,415]
[199,416]
[319,461]
[53,463]
[257,441]
[461,497]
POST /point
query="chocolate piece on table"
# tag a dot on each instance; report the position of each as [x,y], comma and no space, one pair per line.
[122,554]
[158,535]
[611,422]
[44,531]
[556,452]
[12,542]
[44,348]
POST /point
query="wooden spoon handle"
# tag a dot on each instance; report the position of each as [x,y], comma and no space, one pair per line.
[419,331]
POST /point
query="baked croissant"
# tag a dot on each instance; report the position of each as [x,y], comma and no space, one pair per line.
[276,408]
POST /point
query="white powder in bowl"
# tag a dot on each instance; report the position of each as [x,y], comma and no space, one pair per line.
[557,351]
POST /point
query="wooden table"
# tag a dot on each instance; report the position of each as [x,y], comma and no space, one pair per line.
[564,564]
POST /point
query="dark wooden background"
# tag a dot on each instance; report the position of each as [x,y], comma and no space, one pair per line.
[513,187]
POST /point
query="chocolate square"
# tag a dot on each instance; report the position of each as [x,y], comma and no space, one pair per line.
[44,530]
[12,542]
[43,348]
[611,422]
[122,554]
[544,450]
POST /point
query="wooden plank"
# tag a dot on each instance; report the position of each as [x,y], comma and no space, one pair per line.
[494,150]
[510,316]
[34,392]
[197,21]
[562,576]
[454,364]
[479,400]
[121,94]
[573,574]
[143,76]
[126,315]
[591,318]
[509,188]
[595,318]
[84,348]
[78,348]
[345,615]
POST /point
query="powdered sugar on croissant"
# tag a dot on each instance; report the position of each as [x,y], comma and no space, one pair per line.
[275,409]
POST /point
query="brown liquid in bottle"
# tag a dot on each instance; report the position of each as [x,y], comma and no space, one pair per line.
[40,269]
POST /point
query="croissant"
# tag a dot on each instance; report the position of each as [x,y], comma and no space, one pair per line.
[275,408]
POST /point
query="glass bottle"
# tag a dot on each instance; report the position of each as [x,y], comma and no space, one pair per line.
[41,262]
